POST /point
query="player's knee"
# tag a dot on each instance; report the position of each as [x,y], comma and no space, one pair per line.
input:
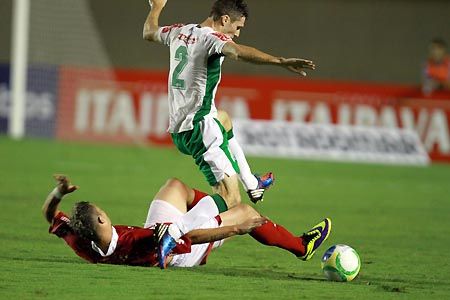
[174,183]
[248,211]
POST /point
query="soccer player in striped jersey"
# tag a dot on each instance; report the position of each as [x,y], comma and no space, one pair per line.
[196,55]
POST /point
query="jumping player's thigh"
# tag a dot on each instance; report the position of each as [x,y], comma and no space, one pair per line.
[228,188]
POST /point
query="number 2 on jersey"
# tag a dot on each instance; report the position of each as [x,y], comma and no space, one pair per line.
[181,55]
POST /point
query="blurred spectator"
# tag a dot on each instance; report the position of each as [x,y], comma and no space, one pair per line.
[436,75]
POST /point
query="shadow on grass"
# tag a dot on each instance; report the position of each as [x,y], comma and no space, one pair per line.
[400,282]
[47,259]
[255,273]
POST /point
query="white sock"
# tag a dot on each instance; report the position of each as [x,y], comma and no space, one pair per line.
[204,210]
[247,178]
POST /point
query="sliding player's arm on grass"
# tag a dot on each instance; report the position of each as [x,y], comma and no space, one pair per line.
[255,56]
[151,25]
[50,207]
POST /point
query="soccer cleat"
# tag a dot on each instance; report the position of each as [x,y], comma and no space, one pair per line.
[166,243]
[264,183]
[315,237]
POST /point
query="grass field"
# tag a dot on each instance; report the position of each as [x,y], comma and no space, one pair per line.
[397,218]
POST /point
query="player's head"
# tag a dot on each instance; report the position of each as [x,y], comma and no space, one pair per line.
[231,15]
[437,50]
[88,220]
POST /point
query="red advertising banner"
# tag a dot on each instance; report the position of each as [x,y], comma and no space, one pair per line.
[125,106]
[116,106]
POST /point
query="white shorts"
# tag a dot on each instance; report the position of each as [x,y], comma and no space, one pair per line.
[161,211]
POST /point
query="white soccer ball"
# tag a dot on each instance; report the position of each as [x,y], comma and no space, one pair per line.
[341,263]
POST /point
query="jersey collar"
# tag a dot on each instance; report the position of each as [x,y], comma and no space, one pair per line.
[112,245]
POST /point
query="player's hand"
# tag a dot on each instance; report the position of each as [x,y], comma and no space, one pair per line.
[157,3]
[250,224]
[297,65]
[64,185]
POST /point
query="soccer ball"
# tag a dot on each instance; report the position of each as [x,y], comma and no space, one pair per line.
[340,263]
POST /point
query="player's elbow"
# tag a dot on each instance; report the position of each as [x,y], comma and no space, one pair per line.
[234,55]
[148,36]
[149,32]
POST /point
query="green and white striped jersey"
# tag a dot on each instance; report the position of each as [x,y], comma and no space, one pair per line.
[195,71]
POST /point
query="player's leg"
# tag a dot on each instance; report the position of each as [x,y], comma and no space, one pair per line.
[166,214]
[254,185]
[220,161]
[199,252]
[178,194]
[228,188]
[170,206]
[248,180]
[269,234]
[272,234]
[167,234]
[208,144]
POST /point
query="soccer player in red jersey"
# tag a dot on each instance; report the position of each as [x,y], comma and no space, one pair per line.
[91,235]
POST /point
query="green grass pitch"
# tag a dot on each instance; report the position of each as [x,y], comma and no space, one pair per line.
[397,218]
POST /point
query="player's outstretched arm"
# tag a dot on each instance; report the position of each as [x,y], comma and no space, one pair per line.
[50,207]
[201,236]
[151,24]
[253,55]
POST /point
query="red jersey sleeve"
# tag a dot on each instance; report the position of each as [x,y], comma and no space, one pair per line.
[60,225]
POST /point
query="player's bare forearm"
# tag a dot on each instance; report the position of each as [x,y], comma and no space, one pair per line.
[201,236]
[51,204]
[253,55]
[151,24]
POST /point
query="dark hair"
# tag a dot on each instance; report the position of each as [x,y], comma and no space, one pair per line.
[440,42]
[234,8]
[82,221]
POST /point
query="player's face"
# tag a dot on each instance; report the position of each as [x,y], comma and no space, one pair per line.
[233,28]
[103,216]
